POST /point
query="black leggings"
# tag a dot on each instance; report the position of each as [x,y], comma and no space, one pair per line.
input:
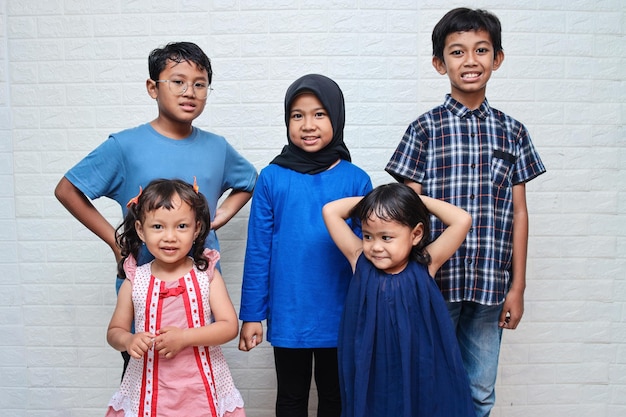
[294,370]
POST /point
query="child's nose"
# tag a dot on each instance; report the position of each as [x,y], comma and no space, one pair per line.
[308,123]
[470,58]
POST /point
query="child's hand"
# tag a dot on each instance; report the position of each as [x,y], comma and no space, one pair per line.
[139,344]
[512,310]
[169,341]
[251,335]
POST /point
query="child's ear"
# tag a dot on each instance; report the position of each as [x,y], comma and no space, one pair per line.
[439,65]
[198,229]
[139,230]
[151,86]
[497,60]
[417,233]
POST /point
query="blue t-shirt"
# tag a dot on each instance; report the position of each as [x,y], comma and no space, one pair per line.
[132,158]
[295,277]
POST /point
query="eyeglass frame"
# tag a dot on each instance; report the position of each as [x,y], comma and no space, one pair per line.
[186,87]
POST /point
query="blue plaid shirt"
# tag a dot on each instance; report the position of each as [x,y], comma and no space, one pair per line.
[471,159]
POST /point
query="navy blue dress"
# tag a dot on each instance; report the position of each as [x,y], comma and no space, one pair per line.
[398,354]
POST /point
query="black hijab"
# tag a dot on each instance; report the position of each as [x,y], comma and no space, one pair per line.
[329,94]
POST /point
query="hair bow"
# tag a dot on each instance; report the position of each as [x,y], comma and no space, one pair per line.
[135,199]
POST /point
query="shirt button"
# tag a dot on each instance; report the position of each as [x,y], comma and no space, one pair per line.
[472,197]
[473,166]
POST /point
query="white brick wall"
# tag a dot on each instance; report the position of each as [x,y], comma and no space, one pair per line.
[73,71]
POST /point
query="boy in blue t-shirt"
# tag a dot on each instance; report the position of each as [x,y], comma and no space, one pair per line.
[477,158]
[167,147]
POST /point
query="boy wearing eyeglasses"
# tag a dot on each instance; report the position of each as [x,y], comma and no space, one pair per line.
[167,147]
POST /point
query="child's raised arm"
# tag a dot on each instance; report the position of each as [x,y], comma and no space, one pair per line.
[335,214]
[458,223]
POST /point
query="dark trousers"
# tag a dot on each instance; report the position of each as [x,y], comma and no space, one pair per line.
[294,368]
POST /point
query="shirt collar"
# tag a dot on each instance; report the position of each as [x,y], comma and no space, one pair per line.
[461,111]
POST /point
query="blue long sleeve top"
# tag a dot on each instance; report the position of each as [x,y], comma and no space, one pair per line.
[294,275]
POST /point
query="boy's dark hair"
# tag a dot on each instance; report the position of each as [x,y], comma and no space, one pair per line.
[178,52]
[159,194]
[399,203]
[463,19]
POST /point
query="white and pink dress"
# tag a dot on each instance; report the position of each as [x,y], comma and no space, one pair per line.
[197,381]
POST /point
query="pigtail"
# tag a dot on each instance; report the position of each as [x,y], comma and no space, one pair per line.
[127,239]
[203,216]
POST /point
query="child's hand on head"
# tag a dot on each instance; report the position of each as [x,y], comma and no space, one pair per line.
[139,344]
[169,341]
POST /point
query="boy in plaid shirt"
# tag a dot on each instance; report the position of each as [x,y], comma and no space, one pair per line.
[477,158]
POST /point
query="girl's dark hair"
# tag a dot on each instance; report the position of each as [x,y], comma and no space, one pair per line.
[463,19]
[178,52]
[158,194]
[399,203]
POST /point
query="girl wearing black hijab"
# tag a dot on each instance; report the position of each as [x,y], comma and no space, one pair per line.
[294,275]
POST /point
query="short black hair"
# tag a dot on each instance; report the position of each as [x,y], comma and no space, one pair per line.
[463,19]
[178,52]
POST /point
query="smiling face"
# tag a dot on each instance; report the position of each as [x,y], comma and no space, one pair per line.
[169,235]
[310,128]
[388,244]
[176,112]
[468,60]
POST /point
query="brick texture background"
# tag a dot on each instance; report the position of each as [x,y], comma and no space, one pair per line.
[72,71]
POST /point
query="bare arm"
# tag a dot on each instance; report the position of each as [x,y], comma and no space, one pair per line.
[118,333]
[171,340]
[81,208]
[457,222]
[229,207]
[335,214]
[514,301]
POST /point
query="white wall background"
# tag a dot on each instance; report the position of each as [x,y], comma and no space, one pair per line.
[72,71]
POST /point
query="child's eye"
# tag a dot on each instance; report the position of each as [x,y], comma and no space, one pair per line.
[367,237]
[482,50]
[157,226]
[456,53]
[296,116]
[320,115]
[177,82]
[386,238]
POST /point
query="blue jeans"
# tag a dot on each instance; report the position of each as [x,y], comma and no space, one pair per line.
[479,339]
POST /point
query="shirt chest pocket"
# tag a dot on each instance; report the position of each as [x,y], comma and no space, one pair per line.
[502,168]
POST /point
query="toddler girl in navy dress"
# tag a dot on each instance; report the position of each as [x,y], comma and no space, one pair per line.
[398,354]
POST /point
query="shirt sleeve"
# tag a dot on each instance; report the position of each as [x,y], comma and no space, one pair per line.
[256,270]
[239,173]
[101,173]
[528,164]
[409,159]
